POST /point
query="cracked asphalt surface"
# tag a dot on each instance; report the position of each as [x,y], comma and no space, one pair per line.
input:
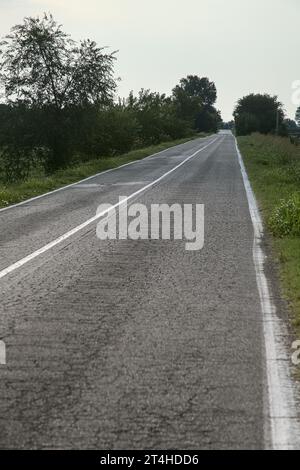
[134,344]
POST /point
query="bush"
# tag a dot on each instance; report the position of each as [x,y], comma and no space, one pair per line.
[285,219]
[116,131]
[17,163]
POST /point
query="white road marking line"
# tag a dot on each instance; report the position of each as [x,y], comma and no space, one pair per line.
[2,353]
[35,198]
[68,234]
[285,433]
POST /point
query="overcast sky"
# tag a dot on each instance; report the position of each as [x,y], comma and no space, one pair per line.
[243,45]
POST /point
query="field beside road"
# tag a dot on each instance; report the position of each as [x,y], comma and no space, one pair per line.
[273,166]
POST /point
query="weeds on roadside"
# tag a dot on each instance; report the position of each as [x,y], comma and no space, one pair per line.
[285,219]
[273,166]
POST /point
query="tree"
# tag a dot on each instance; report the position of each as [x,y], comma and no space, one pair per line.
[149,110]
[194,98]
[202,88]
[19,127]
[42,68]
[290,124]
[258,113]
[41,65]
[228,125]
[107,132]
[208,119]
[187,106]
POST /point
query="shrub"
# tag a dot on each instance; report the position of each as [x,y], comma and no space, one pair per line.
[285,219]
[116,131]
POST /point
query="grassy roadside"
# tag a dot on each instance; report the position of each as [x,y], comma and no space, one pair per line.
[40,184]
[273,166]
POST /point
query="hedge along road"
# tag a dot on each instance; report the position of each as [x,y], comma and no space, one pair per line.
[142,344]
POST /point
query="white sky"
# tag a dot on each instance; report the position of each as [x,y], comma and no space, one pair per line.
[243,45]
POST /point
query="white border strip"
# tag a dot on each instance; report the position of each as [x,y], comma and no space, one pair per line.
[282,407]
[93,176]
[77,229]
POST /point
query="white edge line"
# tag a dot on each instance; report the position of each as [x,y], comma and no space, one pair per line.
[90,177]
[281,400]
[68,234]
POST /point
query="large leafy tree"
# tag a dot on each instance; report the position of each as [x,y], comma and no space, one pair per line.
[149,108]
[187,106]
[41,65]
[55,78]
[258,113]
[195,98]
[156,118]
[202,88]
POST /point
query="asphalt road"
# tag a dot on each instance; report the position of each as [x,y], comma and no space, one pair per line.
[134,344]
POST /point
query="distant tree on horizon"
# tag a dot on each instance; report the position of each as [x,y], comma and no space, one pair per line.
[259,113]
[195,98]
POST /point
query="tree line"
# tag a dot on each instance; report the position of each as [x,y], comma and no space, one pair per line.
[58,103]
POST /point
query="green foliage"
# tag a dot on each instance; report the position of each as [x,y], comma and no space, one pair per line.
[21,149]
[41,65]
[187,107]
[156,117]
[201,88]
[246,123]
[39,183]
[208,119]
[116,131]
[149,111]
[273,166]
[17,163]
[285,219]
[45,74]
[227,125]
[258,113]
[194,98]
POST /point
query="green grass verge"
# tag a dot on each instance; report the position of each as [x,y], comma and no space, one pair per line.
[273,166]
[40,184]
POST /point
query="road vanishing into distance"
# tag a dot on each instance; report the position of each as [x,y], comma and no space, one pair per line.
[126,344]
